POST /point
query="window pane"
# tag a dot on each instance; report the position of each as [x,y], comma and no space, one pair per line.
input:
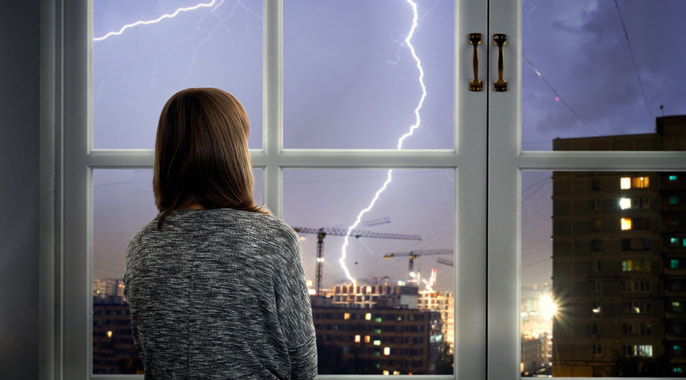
[601,67]
[351,80]
[385,300]
[618,291]
[179,44]
[122,204]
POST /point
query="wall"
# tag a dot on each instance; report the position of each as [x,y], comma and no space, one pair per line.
[19,187]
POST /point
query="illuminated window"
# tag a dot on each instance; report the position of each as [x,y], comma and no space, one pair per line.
[368,316]
[377,342]
[673,200]
[378,319]
[624,203]
[640,182]
[636,265]
[596,308]
[386,351]
[644,350]
[676,306]
[357,339]
[673,178]
[674,263]
[625,183]
[346,316]
[625,224]
[367,339]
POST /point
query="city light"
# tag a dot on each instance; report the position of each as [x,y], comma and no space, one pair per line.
[624,203]
[548,306]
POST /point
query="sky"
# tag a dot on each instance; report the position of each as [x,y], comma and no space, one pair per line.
[589,68]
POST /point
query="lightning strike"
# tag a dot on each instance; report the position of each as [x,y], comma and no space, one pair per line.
[401,140]
[148,22]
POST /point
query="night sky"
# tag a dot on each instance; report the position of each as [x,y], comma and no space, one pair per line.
[589,68]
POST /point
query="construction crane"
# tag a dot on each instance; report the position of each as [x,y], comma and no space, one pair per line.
[414,254]
[445,262]
[323,231]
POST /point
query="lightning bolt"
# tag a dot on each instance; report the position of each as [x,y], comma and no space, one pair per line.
[401,140]
[155,21]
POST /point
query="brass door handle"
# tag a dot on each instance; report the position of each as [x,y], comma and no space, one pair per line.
[500,40]
[475,41]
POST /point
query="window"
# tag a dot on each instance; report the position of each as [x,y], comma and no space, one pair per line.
[624,203]
[674,263]
[637,286]
[637,307]
[677,241]
[638,265]
[636,244]
[640,182]
[625,224]
[639,224]
[509,159]
[639,350]
[626,183]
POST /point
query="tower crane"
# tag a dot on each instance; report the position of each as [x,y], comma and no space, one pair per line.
[445,262]
[414,254]
[323,231]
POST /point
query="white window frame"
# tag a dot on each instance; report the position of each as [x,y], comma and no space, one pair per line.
[506,162]
[487,160]
[68,352]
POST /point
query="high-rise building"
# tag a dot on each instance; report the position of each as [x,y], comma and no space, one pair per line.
[444,303]
[377,341]
[114,350]
[619,264]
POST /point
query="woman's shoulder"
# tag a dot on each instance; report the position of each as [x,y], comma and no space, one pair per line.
[268,223]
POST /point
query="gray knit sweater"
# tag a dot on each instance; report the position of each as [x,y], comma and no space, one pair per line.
[220,294]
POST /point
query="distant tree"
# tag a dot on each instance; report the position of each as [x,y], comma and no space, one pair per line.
[444,359]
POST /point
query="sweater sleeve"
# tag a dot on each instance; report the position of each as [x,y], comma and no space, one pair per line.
[293,303]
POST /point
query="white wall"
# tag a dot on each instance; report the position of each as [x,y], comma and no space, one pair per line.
[19,188]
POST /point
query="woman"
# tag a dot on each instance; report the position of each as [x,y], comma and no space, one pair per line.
[216,284]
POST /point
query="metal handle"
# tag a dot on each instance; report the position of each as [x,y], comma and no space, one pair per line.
[475,41]
[500,40]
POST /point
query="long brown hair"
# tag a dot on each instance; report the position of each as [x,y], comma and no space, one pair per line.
[201,153]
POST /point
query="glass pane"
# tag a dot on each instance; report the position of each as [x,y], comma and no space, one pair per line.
[599,68]
[618,272]
[144,51]
[122,204]
[362,74]
[382,300]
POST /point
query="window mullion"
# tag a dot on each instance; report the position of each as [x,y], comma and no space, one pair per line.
[273,104]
